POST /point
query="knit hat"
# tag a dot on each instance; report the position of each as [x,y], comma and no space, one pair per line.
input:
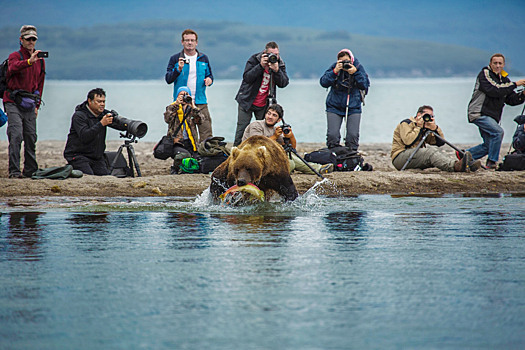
[347,51]
[28,31]
[184,88]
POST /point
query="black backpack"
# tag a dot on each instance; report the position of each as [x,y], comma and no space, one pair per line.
[3,75]
[343,159]
[121,168]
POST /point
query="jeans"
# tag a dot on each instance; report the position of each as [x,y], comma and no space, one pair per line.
[244,118]
[333,135]
[492,134]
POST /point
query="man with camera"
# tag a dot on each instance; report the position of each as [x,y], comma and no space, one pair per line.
[282,134]
[492,91]
[25,83]
[263,72]
[86,141]
[348,83]
[192,68]
[182,117]
[407,137]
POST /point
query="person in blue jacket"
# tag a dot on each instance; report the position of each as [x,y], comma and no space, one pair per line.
[192,68]
[348,83]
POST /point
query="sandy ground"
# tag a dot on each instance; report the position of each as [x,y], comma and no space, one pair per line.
[156,181]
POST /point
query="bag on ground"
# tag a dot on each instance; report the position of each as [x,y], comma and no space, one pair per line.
[164,149]
[121,168]
[513,161]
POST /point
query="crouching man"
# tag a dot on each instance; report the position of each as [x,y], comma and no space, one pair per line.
[268,127]
[409,133]
[86,141]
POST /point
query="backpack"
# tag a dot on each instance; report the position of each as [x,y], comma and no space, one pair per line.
[513,161]
[121,168]
[3,75]
[343,158]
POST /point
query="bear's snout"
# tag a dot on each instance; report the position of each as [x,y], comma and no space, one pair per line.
[241,182]
[243,177]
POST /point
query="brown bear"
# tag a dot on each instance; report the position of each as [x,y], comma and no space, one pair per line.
[258,160]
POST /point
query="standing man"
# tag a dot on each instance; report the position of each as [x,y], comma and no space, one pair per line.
[263,72]
[492,91]
[192,68]
[25,76]
[347,80]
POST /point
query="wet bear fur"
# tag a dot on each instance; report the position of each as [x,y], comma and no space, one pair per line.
[258,160]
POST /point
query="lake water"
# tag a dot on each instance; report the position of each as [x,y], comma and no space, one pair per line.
[389,101]
[370,272]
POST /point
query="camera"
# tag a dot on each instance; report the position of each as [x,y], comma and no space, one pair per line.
[347,64]
[519,89]
[186,60]
[427,118]
[186,99]
[272,58]
[42,54]
[287,128]
[134,127]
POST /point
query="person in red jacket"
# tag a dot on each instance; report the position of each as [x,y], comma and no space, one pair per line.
[25,75]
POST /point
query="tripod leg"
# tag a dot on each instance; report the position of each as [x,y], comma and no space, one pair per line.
[417,148]
[306,163]
[448,143]
[114,162]
[133,161]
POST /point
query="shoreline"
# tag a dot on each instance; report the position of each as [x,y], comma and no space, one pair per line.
[156,181]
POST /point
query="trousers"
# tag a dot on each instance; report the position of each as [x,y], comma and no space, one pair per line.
[21,127]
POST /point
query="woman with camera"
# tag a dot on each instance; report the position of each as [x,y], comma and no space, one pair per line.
[348,83]
[182,116]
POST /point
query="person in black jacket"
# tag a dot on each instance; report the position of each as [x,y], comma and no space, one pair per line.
[263,72]
[86,141]
[492,91]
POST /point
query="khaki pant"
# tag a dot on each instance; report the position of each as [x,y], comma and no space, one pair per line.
[428,157]
[298,165]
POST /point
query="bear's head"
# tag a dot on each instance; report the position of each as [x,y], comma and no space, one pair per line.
[248,165]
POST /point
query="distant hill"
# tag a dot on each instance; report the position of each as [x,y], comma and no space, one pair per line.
[140,50]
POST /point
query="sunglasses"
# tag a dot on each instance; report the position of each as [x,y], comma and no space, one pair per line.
[30,39]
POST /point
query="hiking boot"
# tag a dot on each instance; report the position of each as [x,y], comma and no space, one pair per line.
[463,165]
[16,176]
[174,170]
[326,168]
[475,165]
[490,165]
[459,156]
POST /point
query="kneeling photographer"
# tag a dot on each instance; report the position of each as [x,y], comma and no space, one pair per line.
[409,152]
[283,134]
[86,141]
[182,116]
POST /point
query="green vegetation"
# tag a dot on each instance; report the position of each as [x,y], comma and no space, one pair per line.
[141,50]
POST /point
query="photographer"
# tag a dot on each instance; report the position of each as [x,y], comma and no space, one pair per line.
[347,80]
[263,72]
[25,76]
[492,91]
[86,141]
[182,116]
[192,68]
[409,133]
[268,127]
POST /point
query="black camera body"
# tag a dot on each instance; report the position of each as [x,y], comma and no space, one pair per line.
[42,54]
[134,127]
[186,99]
[286,128]
[427,118]
[272,58]
[186,60]
[347,64]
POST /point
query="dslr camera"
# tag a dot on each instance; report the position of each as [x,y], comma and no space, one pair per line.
[347,64]
[427,117]
[133,127]
[272,58]
[186,99]
[286,128]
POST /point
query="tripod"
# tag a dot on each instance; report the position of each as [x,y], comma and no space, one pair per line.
[289,150]
[132,159]
[425,135]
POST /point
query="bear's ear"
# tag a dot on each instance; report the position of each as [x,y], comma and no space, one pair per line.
[261,152]
[234,153]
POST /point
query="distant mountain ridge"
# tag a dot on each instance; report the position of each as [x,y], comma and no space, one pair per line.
[141,50]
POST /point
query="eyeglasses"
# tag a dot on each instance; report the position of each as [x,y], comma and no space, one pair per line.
[189,40]
[30,39]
